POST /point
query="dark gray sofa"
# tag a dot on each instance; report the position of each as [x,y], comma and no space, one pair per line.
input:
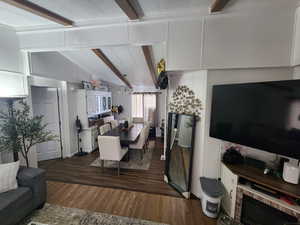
[15,205]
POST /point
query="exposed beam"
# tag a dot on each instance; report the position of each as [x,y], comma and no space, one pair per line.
[147,50]
[40,11]
[218,5]
[128,9]
[106,60]
[133,10]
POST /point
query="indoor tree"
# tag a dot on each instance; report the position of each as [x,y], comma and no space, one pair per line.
[19,131]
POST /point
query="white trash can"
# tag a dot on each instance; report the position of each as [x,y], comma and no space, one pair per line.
[213,191]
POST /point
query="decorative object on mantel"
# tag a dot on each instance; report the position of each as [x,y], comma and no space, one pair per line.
[96,84]
[117,109]
[86,85]
[162,75]
[54,214]
[184,101]
[21,131]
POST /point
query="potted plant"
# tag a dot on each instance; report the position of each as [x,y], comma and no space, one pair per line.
[19,131]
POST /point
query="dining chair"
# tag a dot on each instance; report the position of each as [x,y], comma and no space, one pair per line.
[141,142]
[104,128]
[147,135]
[110,149]
[114,124]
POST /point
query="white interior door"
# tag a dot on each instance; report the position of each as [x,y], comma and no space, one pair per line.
[45,102]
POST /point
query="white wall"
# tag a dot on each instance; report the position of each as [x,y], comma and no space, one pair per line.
[72,108]
[161,110]
[121,97]
[196,80]
[10,55]
[211,154]
[207,150]
[55,66]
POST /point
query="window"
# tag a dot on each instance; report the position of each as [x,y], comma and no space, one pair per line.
[144,107]
[137,106]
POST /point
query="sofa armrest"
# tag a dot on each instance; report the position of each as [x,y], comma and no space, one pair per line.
[35,179]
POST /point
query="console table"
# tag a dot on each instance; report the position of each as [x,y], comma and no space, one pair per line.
[232,201]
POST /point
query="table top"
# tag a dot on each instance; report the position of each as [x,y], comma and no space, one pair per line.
[257,176]
[127,137]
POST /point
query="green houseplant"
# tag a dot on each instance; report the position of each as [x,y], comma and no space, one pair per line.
[19,131]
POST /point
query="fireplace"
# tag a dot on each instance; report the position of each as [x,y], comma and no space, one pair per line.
[256,212]
[256,208]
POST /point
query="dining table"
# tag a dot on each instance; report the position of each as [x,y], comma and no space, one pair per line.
[127,136]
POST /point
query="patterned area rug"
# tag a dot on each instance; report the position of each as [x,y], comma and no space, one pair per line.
[57,215]
[135,162]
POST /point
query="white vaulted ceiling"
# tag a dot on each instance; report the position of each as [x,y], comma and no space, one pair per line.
[128,59]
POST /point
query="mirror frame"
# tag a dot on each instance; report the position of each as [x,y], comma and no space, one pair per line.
[185,193]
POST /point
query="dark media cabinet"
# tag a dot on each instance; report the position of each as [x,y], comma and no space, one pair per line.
[247,204]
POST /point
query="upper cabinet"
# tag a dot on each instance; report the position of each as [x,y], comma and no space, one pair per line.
[247,41]
[184,45]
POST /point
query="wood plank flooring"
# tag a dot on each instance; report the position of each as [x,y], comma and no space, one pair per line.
[77,170]
[154,207]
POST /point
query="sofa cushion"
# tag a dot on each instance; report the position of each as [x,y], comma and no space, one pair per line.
[17,196]
[15,205]
[8,176]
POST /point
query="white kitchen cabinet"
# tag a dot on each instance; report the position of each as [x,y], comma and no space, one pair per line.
[89,103]
[13,85]
[184,45]
[229,181]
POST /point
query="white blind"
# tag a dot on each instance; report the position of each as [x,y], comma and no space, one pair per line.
[137,106]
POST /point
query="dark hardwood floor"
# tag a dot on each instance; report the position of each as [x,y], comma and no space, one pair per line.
[78,170]
[153,207]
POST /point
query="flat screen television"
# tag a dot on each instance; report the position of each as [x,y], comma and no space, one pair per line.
[262,115]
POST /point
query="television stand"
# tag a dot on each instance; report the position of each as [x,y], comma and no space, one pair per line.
[232,175]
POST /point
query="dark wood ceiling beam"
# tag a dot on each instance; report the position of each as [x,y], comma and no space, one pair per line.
[147,51]
[128,9]
[218,5]
[133,10]
[39,11]
[107,61]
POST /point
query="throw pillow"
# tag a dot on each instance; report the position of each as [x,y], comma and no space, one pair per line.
[8,176]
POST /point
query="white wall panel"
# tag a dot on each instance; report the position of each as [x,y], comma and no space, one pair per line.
[148,33]
[10,55]
[42,40]
[184,45]
[99,36]
[241,41]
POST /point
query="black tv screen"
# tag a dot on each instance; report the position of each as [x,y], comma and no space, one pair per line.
[263,115]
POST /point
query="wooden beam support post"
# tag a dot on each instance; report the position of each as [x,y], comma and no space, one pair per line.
[39,11]
[106,60]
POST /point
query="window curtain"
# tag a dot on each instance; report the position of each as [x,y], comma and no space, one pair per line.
[144,108]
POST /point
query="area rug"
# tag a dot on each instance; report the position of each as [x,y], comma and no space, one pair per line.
[57,215]
[135,162]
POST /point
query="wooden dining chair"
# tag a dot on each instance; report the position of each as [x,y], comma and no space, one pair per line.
[104,128]
[110,149]
[141,142]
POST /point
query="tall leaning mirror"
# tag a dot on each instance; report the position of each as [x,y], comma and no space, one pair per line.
[179,155]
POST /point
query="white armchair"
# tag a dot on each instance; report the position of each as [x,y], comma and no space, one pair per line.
[110,149]
[140,144]
[104,128]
